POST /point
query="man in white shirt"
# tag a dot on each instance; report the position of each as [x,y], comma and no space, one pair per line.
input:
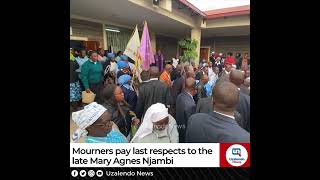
[210,68]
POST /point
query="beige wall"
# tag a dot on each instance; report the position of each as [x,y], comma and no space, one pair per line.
[168,46]
[243,20]
[225,44]
[163,10]
[166,4]
[90,30]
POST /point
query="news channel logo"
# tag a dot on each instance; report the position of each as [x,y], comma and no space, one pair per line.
[236,155]
[84,173]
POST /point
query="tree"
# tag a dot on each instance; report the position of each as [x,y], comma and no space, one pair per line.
[190,47]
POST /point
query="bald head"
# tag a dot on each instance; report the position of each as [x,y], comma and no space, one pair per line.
[154,72]
[204,79]
[168,68]
[190,84]
[179,67]
[236,77]
[225,97]
[145,75]
[191,74]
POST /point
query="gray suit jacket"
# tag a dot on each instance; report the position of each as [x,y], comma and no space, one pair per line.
[244,90]
[204,105]
[214,128]
[185,107]
[244,109]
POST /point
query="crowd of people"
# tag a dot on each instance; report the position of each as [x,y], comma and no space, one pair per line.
[184,102]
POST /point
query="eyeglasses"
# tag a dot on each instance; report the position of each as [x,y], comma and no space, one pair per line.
[106,123]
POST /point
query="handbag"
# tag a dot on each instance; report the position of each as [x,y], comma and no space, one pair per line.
[88,98]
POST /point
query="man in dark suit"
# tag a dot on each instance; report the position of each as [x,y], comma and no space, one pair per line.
[220,125]
[151,92]
[185,107]
[176,89]
[243,107]
[204,105]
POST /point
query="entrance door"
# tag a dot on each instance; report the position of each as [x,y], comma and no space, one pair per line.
[91,45]
[204,53]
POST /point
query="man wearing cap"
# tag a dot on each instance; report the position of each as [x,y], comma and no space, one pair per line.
[227,69]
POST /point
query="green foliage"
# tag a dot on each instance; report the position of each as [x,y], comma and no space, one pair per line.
[190,45]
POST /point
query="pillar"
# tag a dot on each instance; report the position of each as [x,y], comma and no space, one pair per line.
[153,41]
[104,33]
[196,34]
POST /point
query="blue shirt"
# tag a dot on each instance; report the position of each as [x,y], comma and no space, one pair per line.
[80,61]
[113,136]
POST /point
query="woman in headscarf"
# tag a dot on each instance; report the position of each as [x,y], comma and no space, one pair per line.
[158,126]
[130,63]
[121,115]
[92,75]
[95,124]
[123,68]
[75,90]
[130,95]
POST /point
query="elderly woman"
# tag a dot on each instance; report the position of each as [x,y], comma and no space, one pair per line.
[130,95]
[158,126]
[94,123]
[121,115]
[92,75]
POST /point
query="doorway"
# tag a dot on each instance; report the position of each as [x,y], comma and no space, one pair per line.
[204,53]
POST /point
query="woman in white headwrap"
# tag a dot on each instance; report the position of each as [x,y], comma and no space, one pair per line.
[158,126]
[94,122]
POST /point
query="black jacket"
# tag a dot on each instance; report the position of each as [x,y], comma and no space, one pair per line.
[215,128]
[150,93]
[123,122]
[243,108]
[130,96]
[73,74]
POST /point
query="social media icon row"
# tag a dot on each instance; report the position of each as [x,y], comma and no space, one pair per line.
[84,173]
